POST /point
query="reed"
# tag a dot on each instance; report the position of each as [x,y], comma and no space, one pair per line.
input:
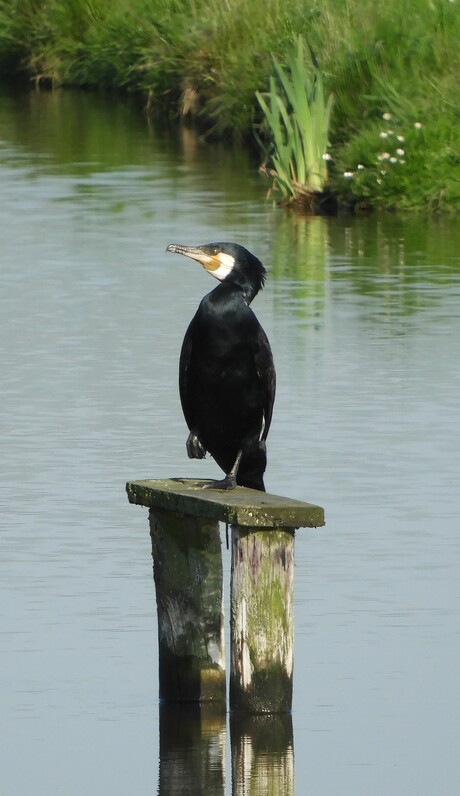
[297,116]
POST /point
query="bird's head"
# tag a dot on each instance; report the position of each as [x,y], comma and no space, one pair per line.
[227,261]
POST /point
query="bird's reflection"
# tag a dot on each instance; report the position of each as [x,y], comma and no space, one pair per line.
[193,742]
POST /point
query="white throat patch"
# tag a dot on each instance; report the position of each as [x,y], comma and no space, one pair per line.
[226,263]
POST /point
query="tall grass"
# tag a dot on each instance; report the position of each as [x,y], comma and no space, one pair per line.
[297,116]
[210,58]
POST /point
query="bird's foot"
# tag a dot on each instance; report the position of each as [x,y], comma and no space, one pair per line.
[195,449]
[229,482]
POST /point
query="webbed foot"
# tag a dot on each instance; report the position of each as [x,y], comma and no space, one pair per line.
[229,482]
[195,449]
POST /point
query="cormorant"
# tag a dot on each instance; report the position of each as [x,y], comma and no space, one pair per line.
[226,371]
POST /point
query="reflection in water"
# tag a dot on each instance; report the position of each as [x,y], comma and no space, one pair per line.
[395,262]
[193,749]
[300,248]
[299,260]
[384,258]
[262,755]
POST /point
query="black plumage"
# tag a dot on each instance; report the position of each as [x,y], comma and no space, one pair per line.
[226,372]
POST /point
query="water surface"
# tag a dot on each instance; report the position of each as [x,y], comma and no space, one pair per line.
[364,323]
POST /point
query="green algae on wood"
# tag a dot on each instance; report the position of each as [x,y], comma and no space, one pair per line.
[184,520]
[187,568]
[262,621]
[240,506]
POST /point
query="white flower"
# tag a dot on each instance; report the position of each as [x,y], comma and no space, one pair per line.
[386,116]
[360,167]
[400,138]
[383,134]
[327,156]
[400,152]
[348,174]
[418,125]
[393,160]
[384,156]
[379,180]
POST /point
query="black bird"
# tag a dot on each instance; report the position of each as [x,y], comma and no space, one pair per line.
[226,371]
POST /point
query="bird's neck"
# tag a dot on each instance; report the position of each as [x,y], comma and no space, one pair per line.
[229,288]
[248,288]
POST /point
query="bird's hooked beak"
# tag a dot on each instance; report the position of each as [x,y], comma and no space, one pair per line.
[195,252]
[217,262]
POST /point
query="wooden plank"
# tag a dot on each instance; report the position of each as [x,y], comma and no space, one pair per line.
[240,506]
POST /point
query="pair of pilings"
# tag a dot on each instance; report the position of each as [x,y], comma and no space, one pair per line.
[187,567]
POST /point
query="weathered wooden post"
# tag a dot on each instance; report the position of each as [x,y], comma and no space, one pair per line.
[187,569]
[262,619]
[188,577]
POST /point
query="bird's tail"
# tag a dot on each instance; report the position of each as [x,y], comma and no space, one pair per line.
[252,482]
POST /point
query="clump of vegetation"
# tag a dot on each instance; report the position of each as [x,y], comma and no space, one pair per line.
[297,117]
[402,163]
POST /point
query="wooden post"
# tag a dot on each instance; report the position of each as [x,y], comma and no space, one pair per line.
[187,569]
[262,619]
[188,578]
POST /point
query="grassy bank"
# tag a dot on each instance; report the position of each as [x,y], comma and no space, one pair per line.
[393,69]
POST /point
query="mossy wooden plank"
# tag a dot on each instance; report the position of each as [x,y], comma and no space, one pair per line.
[240,506]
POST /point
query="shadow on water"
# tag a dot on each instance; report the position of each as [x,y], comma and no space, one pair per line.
[193,748]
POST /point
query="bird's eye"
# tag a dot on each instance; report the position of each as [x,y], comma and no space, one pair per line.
[215,250]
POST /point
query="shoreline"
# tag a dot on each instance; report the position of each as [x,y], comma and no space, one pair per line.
[394,133]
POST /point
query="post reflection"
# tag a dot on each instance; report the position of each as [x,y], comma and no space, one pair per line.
[192,749]
[262,754]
